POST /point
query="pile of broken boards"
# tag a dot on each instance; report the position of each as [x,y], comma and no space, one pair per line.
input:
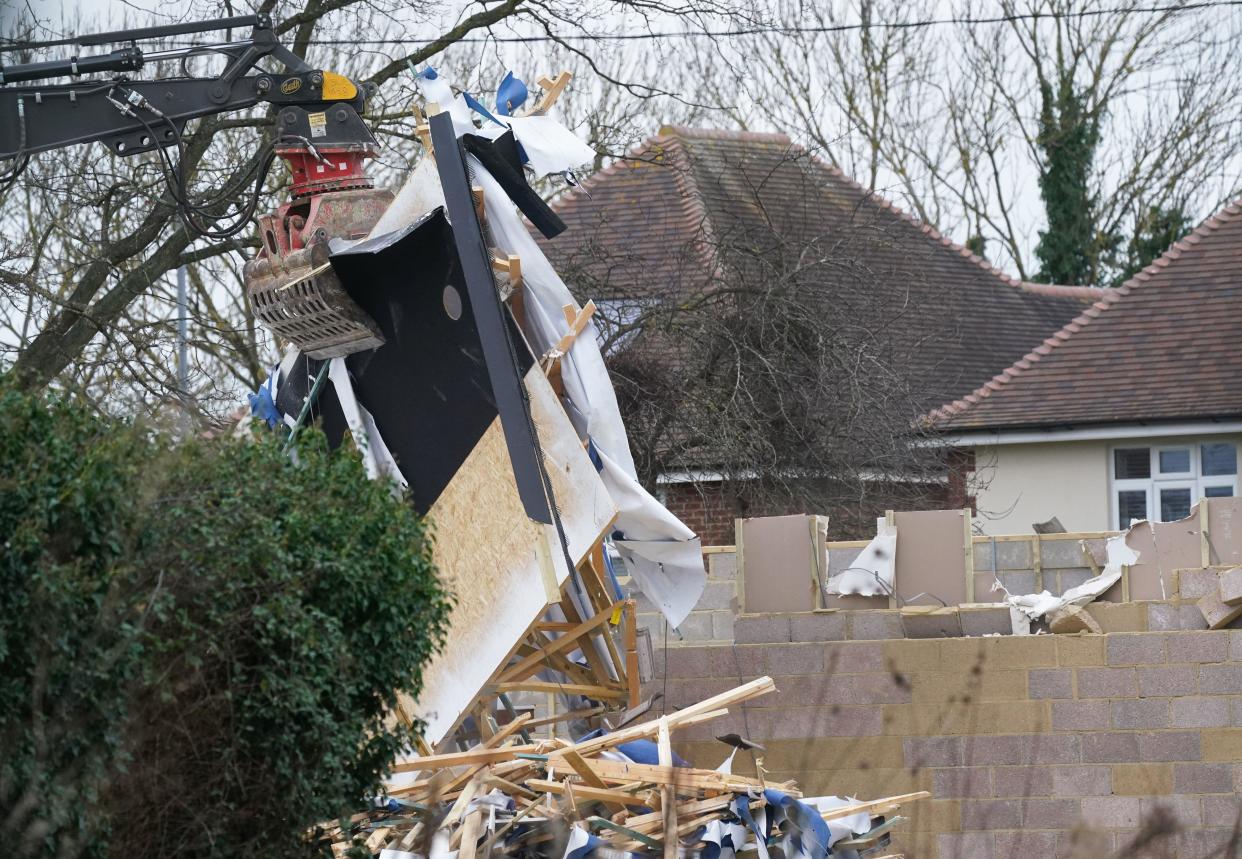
[605,795]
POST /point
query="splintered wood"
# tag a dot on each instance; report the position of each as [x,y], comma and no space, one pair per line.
[621,790]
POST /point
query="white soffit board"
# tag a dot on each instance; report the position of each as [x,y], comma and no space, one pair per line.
[1100,433]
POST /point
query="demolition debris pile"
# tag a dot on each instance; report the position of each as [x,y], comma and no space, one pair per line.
[609,793]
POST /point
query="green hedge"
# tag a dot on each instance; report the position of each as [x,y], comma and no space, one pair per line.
[199,641]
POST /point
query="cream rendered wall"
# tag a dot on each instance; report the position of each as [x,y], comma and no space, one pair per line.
[1018,485]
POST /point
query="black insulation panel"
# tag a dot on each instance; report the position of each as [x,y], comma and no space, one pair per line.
[427,387]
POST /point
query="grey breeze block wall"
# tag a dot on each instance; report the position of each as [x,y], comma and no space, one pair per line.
[1032,745]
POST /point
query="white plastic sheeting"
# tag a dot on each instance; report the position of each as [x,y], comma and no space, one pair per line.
[872,572]
[661,553]
[1028,607]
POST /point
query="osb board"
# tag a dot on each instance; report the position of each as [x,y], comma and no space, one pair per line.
[486,553]
[931,555]
[1163,547]
[778,566]
[1225,530]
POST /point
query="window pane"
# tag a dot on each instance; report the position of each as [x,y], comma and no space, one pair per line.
[1219,458]
[1218,491]
[1175,461]
[1174,504]
[1131,504]
[1131,462]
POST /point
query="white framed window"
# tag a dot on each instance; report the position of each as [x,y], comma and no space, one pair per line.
[1163,482]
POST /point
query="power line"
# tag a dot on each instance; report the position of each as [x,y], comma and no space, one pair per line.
[755,31]
[789,31]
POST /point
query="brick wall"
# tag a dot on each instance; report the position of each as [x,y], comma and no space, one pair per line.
[1032,746]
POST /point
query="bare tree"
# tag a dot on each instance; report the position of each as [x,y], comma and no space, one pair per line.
[95,238]
[947,117]
[775,353]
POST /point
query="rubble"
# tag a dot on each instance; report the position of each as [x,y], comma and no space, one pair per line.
[608,793]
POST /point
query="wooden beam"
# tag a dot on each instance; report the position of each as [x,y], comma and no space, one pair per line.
[633,682]
[590,779]
[535,661]
[602,693]
[753,689]
[456,759]
[607,795]
[668,796]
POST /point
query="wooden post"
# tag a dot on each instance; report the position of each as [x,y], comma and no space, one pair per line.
[890,519]
[1037,562]
[632,679]
[668,793]
[970,554]
[1205,546]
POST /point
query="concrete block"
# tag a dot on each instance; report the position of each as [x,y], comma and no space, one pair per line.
[1223,679]
[1051,683]
[722,625]
[853,657]
[1112,812]
[985,621]
[1193,584]
[1119,617]
[696,627]
[1205,841]
[718,595]
[1107,683]
[921,752]
[1235,646]
[1231,586]
[1083,842]
[1080,715]
[1011,555]
[962,782]
[1023,844]
[761,628]
[967,845]
[1163,616]
[1139,649]
[818,626]
[722,565]
[1216,612]
[1198,646]
[1070,619]
[1018,581]
[1186,810]
[991,814]
[1069,578]
[936,623]
[840,559]
[1201,712]
[1203,778]
[1222,745]
[1141,713]
[1170,746]
[1021,782]
[1080,650]
[875,625]
[1016,749]
[1049,813]
[1082,781]
[1168,681]
[1110,747]
[1220,808]
[1142,779]
[1059,554]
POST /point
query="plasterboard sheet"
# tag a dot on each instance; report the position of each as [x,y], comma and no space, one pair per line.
[1225,530]
[781,563]
[486,551]
[1163,547]
[931,555]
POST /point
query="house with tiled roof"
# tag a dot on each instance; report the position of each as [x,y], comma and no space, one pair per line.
[691,206]
[1132,410]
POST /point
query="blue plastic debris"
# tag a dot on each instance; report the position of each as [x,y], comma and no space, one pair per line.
[511,94]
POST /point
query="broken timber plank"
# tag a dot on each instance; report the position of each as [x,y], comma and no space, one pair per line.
[753,689]
[606,795]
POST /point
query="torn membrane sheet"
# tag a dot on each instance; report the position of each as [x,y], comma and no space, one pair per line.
[871,573]
[1026,608]
[663,555]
